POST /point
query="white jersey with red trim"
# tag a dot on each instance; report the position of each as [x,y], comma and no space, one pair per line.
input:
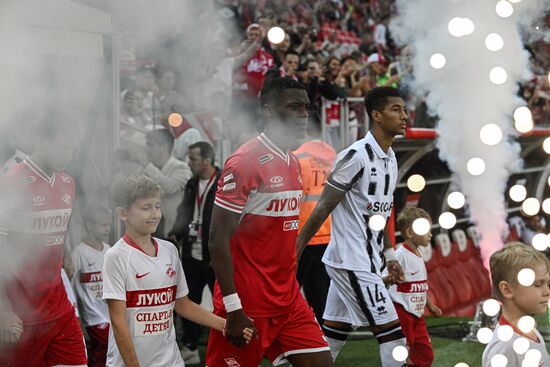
[262,184]
[412,293]
[506,348]
[34,213]
[149,286]
[88,280]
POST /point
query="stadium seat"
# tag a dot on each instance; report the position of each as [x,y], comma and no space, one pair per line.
[465,254]
[482,275]
[455,273]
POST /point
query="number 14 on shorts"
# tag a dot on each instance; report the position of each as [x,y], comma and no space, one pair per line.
[377,299]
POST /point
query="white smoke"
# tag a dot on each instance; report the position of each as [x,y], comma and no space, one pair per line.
[463,97]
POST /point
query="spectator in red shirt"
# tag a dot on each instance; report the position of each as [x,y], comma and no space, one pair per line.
[254,70]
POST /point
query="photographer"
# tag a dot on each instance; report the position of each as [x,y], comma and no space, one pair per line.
[191,231]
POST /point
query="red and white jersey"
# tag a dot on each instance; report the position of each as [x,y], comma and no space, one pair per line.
[263,184]
[34,213]
[413,291]
[506,348]
[88,280]
[149,286]
[252,75]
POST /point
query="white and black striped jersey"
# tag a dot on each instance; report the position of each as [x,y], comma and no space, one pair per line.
[368,175]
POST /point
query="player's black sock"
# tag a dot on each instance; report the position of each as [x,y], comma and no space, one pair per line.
[336,338]
[388,340]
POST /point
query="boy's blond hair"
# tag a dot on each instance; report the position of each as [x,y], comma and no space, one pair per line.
[508,261]
[408,215]
[127,190]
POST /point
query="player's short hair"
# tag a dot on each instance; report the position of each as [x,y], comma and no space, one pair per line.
[272,89]
[129,189]
[161,137]
[206,151]
[95,212]
[408,215]
[377,98]
[508,261]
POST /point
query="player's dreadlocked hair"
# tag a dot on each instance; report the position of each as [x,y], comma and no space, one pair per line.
[377,98]
[273,88]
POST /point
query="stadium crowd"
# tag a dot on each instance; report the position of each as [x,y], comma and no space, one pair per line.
[337,49]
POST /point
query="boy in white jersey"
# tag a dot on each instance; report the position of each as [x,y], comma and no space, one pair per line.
[410,296]
[143,283]
[88,261]
[523,348]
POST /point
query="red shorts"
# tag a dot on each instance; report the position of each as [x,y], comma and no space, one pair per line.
[294,333]
[418,340]
[57,342]
[99,340]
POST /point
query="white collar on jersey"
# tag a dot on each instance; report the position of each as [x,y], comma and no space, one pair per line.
[39,171]
[275,149]
[379,152]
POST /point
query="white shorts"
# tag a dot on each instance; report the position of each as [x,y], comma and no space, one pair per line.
[358,298]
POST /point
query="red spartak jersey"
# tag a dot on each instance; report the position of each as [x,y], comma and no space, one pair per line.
[253,73]
[263,184]
[38,208]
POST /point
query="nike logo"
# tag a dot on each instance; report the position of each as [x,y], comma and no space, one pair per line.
[416,272]
[92,264]
[138,276]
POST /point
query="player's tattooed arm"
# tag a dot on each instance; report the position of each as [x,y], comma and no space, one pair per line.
[330,198]
[222,227]
[117,314]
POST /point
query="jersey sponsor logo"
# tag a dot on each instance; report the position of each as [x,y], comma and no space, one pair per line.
[290,225]
[274,204]
[55,240]
[413,287]
[170,272]
[28,180]
[276,181]
[139,276]
[380,206]
[151,297]
[265,158]
[231,362]
[43,221]
[230,186]
[91,264]
[228,177]
[153,321]
[284,204]
[92,277]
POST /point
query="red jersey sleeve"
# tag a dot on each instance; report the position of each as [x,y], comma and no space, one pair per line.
[235,184]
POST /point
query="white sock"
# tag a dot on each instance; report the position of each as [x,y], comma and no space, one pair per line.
[388,340]
[336,339]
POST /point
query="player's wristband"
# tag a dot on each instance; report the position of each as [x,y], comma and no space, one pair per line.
[389,254]
[232,302]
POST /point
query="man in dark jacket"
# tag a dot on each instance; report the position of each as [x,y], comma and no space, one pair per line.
[191,231]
